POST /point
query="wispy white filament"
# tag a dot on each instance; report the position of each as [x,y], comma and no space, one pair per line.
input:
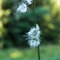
[22,8]
[34,36]
[28,1]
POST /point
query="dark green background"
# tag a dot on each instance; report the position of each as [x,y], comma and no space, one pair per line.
[16,25]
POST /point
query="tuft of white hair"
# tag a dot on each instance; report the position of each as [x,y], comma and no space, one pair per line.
[22,8]
[34,36]
[33,43]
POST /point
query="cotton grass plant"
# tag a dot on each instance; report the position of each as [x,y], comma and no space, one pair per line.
[33,36]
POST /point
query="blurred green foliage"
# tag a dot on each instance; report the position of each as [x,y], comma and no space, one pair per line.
[13,26]
[51,52]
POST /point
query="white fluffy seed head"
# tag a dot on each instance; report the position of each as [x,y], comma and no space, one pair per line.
[34,32]
[28,1]
[22,8]
[34,36]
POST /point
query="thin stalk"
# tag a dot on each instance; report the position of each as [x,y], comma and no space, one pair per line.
[38,53]
[35,23]
[35,17]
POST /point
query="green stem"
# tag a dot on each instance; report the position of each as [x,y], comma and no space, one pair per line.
[38,53]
